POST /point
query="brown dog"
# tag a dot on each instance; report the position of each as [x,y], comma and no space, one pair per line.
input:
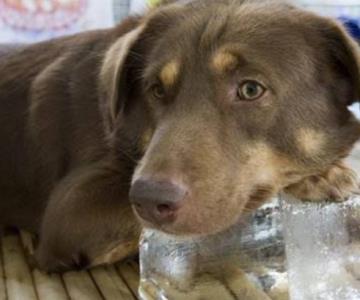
[200,110]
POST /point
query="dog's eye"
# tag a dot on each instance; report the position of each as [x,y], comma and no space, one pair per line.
[250,90]
[158,91]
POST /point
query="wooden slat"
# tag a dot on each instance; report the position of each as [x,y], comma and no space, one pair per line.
[2,275]
[129,275]
[24,284]
[46,286]
[111,284]
[80,286]
[27,242]
[49,286]
[19,282]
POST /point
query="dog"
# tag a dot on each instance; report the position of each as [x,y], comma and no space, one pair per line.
[181,119]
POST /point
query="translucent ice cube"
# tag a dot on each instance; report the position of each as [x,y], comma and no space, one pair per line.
[243,262]
[323,249]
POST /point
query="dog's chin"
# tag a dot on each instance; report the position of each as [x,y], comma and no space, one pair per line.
[187,230]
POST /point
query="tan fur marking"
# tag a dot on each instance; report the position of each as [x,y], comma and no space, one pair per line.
[170,73]
[224,61]
[116,254]
[336,184]
[261,156]
[268,166]
[310,141]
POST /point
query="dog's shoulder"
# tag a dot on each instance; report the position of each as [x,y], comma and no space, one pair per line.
[25,62]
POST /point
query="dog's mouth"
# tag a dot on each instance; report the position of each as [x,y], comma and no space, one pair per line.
[163,228]
[186,230]
[168,205]
[188,222]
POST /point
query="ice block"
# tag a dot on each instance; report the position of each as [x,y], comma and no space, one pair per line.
[247,261]
[322,248]
[243,262]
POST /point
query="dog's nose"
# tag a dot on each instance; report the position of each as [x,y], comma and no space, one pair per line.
[157,201]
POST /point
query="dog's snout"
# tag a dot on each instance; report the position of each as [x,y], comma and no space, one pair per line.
[157,201]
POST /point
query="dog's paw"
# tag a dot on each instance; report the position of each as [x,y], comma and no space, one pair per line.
[336,184]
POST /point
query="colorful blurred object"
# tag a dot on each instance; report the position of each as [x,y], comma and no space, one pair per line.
[37,20]
[41,14]
[347,11]
[352,25]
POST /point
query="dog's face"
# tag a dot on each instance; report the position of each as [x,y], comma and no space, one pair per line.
[237,101]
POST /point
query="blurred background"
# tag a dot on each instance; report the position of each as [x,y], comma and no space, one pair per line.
[36,20]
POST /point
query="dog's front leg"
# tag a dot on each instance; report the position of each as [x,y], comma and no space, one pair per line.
[337,183]
[88,221]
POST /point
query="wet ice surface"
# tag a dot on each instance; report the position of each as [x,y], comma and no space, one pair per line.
[322,242]
[323,249]
[244,262]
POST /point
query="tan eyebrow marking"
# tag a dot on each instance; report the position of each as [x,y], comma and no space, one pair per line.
[169,73]
[224,61]
[310,141]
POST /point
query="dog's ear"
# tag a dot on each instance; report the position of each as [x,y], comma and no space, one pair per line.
[125,60]
[343,55]
[113,68]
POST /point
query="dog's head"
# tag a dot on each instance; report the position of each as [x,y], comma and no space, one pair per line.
[229,102]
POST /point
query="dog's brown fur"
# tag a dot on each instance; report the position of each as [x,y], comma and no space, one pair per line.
[79,122]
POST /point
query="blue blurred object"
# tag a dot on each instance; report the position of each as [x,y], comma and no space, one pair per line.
[352,25]
[347,11]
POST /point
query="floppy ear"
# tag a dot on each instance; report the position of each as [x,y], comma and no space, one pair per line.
[112,71]
[344,55]
[124,60]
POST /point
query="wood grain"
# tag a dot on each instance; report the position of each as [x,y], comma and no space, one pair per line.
[19,282]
